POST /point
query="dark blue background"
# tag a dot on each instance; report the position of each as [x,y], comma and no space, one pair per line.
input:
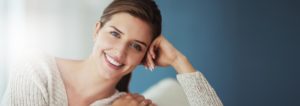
[248,49]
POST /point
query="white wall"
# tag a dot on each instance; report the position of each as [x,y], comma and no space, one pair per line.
[2,47]
[60,27]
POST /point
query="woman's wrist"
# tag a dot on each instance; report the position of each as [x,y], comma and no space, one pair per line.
[182,65]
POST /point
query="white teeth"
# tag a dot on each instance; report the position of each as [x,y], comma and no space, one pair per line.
[112,61]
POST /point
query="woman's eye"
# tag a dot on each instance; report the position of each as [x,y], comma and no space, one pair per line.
[136,46]
[115,34]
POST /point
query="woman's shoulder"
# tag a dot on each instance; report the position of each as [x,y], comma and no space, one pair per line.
[36,66]
[35,74]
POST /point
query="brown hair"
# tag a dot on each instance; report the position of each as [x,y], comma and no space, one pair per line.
[146,10]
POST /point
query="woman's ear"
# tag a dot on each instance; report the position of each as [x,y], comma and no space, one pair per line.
[97,29]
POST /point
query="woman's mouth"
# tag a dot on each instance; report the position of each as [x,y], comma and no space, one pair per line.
[112,63]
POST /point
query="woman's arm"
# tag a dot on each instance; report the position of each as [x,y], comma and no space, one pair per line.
[198,90]
[23,91]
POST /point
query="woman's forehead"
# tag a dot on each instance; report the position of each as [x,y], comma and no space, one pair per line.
[130,26]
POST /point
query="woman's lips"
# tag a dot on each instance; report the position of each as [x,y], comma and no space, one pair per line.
[112,63]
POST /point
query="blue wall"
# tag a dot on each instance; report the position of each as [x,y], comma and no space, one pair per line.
[248,49]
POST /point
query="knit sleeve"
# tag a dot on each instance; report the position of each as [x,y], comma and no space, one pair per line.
[24,90]
[198,90]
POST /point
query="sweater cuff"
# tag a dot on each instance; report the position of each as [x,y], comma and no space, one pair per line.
[198,90]
[195,74]
[186,79]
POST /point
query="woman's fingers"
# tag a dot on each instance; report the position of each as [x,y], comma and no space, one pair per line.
[146,63]
[152,104]
[150,62]
[152,49]
[150,56]
[138,97]
[146,102]
[141,100]
[132,100]
[155,44]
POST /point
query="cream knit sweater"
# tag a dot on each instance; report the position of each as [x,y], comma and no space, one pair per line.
[38,83]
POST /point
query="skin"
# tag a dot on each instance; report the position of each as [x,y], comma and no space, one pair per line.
[163,53]
[132,100]
[126,40]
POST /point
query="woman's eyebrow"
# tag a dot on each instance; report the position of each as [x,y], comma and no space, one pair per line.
[117,29]
[143,43]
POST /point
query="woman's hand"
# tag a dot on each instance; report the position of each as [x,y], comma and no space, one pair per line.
[132,100]
[162,53]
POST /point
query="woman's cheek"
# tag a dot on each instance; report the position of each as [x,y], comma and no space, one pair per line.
[104,42]
[136,59]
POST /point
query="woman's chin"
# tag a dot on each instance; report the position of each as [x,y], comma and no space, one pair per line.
[110,74]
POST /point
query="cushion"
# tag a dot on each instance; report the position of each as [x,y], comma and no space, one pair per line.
[167,92]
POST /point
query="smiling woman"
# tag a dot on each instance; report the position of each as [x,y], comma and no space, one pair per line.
[127,35]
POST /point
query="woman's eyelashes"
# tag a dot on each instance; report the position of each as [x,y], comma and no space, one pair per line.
[136,46]
[133,45]
[115,34]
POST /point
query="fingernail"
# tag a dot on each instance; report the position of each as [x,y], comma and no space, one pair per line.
[146,68]
[152,68]
[153,56]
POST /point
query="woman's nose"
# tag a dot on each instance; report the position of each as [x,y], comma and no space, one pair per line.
[121,51]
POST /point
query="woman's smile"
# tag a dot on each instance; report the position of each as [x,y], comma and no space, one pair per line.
[112,62]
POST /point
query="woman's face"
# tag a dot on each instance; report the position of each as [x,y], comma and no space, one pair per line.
[120,45]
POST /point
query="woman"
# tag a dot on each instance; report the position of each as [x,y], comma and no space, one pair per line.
[127,35]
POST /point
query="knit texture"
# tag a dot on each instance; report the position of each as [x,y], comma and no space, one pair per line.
[37,82]
[198,90]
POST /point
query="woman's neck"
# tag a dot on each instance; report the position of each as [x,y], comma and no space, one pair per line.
[82,81]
